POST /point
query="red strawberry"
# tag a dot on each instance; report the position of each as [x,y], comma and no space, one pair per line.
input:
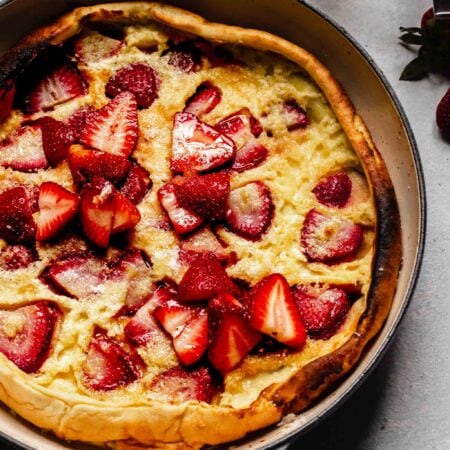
[243,128]
[204,279]
[86,164]
[182,385]
[427,16]
[250,210]
[136,184]
[95,47]
[202,241]
[196,146]
[97,209]
[249,156]
[136,269]
[56,139]
[173,316]
[294,115]
[105,211]
[79,276]
[231,336]
[26,334]
[273,311]
[443,112]
[190,344]
[109,364]
[78,119]
[329,238]
[61,85]
[16,257]
[137,78]
[204,100]
[126,215]
[142,327]
[16,221]
[188,328]
[57,206]
[334,190]
[113,128]
[24,150]
[204,195]
[239,126]
[7,94]
[322,310]
[185,56]
[182,220]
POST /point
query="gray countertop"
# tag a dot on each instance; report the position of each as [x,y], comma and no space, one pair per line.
[404,404]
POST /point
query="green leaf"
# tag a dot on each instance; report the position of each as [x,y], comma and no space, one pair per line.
[411,30]
[412,39]
[416,69]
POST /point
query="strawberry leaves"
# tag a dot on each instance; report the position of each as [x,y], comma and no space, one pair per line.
[434,51]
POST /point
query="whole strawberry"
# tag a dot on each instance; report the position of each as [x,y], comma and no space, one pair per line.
[443,112]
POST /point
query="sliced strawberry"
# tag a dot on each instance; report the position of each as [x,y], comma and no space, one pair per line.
[204,100]
[231,336]
[16,221]
[16,257]
[113,128]
[190,344]
[204,195]
[62,84]
[7,94]
[182,385]
[185,56]
[196,146]
[26,334]
[86,164]
[204,279]
[126,215]
[97,209]
[24,150]
[136,269]
[322,310]
[57,206]
[105,211]
[251,155]
[77,120]
[137,184]
[56,139]
[333,190]
[78,276]
[137,78]
[273,311]
[328,238]
[250,210]
[109,364]
[240,126]
[188,327]
[294,115]
[243,128]
[96,47]
[182,219]
[202,241]
[143,327]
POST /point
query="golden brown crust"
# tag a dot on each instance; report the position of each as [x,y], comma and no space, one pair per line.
[190,424]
